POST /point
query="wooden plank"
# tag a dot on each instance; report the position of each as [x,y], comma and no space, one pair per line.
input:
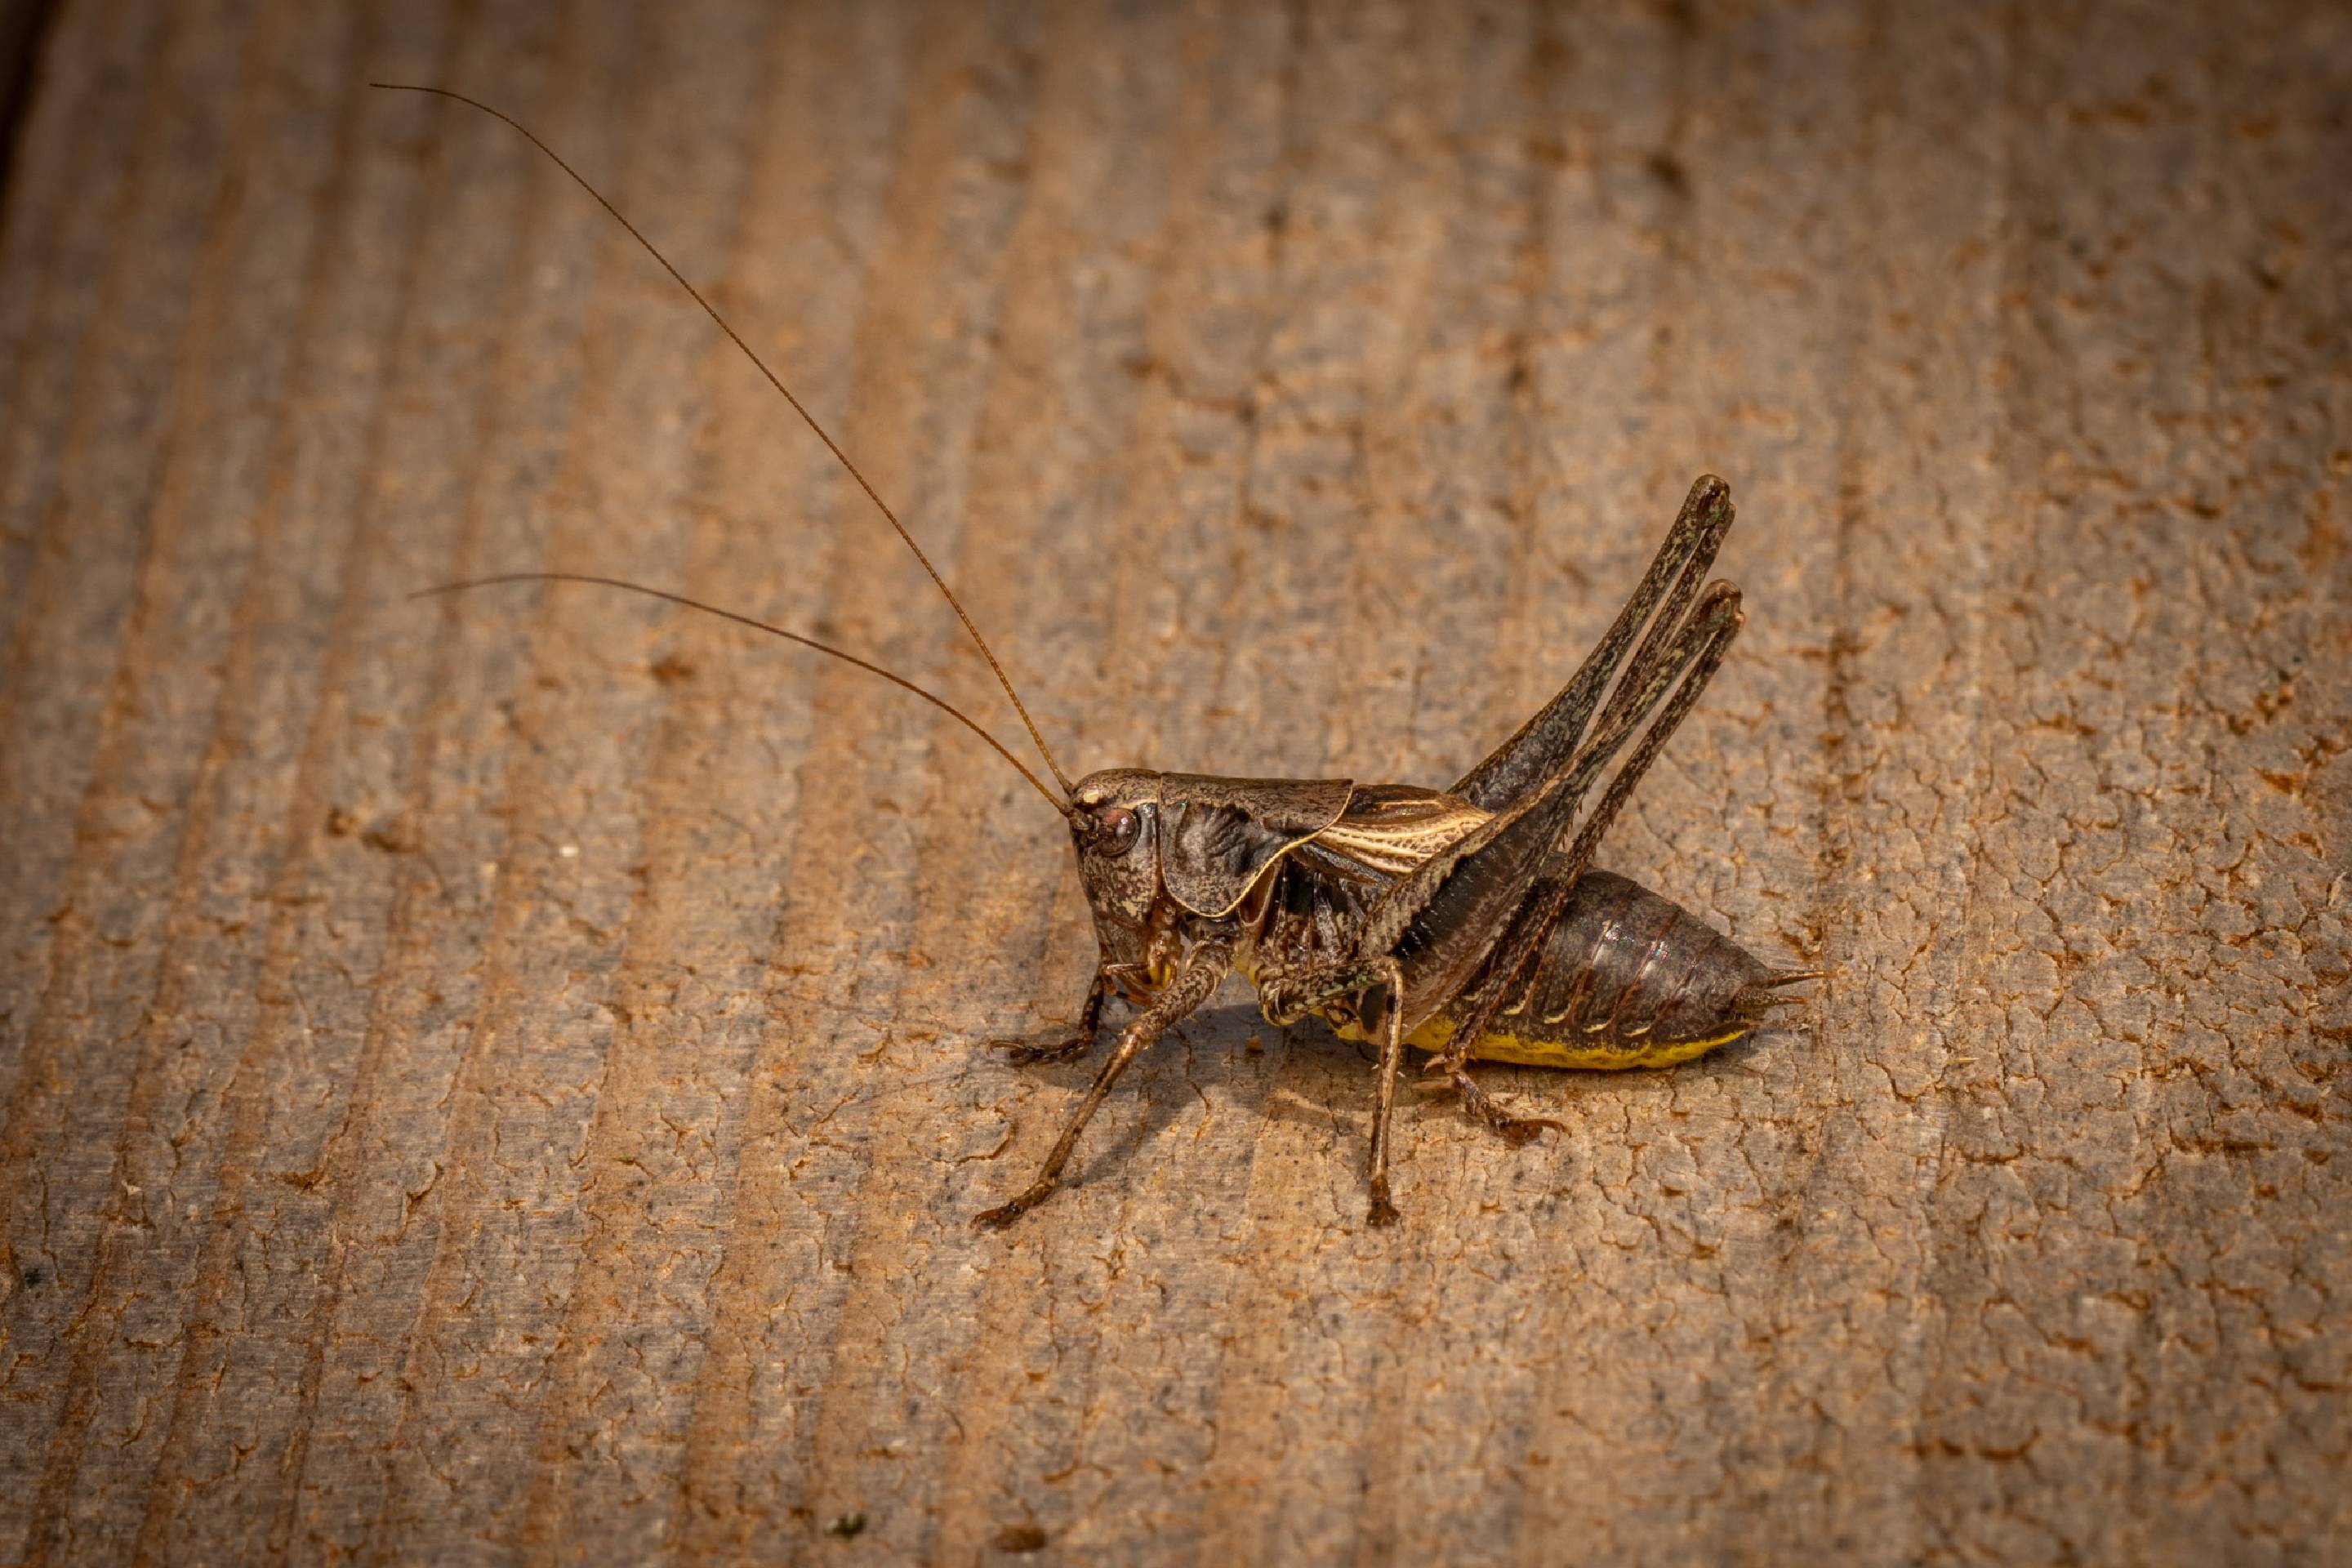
[502,1077]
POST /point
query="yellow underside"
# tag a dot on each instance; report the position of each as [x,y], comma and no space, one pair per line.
[1594,1054]
[1498,1047]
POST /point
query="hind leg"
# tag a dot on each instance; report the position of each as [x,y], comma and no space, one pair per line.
[1512,1129]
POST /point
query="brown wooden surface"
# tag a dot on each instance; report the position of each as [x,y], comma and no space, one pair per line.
[499,1078]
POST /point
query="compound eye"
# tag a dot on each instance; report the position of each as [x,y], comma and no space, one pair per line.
[1115,830]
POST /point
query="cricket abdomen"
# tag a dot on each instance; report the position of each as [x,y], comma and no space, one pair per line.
[1627,979]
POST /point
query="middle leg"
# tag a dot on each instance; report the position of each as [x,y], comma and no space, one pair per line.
[1288,996]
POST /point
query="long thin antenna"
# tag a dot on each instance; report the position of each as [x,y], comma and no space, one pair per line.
[1059,803]
[806,417]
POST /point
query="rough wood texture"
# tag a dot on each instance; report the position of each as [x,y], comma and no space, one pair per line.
[499,1078]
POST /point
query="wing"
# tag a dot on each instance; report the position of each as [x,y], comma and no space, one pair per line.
[1394,827]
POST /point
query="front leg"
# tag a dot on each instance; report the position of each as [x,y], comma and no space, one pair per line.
[1111,979]
[1081,1038]
[1194,983]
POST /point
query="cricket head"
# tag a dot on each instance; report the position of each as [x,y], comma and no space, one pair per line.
[1147,839]
[1115,829]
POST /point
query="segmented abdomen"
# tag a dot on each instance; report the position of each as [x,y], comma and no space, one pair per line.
[1628,979]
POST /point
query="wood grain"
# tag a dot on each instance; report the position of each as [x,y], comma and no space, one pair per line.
[502,1078]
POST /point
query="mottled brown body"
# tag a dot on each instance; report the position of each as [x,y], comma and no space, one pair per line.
[1466,922]
[1628,978]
